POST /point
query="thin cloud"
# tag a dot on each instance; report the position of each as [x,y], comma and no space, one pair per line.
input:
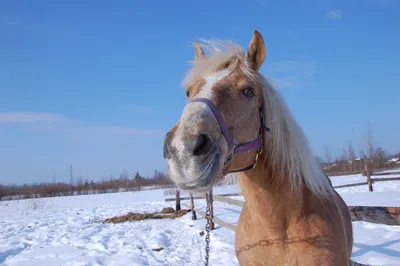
[12,22]
[31,118]
[290,33]
[292,66]
[138,108]
[290,82]
[335,14]
[107,131]
[291,74]
[49,122]
[386,2]
[262,2]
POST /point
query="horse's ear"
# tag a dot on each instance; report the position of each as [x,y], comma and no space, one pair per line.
[199,52]
[256,52]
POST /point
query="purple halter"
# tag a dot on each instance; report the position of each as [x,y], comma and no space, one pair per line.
[237,148]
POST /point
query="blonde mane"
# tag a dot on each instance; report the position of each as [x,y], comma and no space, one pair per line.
[220,53]
[286,146]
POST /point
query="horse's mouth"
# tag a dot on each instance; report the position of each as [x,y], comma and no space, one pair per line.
[206,179]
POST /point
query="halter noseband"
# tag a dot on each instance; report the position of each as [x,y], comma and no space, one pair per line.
[237,148]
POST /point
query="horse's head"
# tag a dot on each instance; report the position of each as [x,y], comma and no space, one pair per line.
[221,127]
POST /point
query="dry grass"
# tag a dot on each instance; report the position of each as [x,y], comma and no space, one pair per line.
[166,213]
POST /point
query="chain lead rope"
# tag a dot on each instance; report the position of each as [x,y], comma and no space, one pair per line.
[207,228]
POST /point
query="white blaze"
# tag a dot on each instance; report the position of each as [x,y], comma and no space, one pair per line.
[191,115]
[194,111]
[211,80]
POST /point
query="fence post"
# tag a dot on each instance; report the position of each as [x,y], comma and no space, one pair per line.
[211,199]
[368,176]
[177,200]
[194,216]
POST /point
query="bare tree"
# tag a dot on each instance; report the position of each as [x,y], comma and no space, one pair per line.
[344,156]
[319,160]
[328,157]
[344,161]
[370,140]
[361,153]
[380,158]
[352,156]
[71,179]
[79,185]
[124,175]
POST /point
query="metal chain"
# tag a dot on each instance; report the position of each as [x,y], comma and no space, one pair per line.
[279,242]
[207,228]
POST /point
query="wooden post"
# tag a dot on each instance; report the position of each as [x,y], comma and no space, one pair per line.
[194,217]
[211,199]
[368,176]
[177,201]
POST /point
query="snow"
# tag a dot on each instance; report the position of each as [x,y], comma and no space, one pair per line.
[393,160]
[68,231]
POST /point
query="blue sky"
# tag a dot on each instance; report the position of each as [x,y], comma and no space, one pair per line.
[96,84]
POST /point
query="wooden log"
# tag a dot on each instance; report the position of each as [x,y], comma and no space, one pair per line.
[177,200]
[230,194]
[185,198]
[370,188]
[215,220]
[372,214]
[235,202]
[354,263]
[380,179]
[203,197]
[375,214]
[211,200]
[351,185]
[389,173]
[333,174]
[194,217]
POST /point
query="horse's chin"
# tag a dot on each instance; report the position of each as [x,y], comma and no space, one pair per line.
[207,179]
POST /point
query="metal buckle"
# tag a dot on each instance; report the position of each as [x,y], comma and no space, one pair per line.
[230,156]
[259,151]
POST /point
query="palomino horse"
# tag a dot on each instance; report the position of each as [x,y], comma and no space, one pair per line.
[235,121]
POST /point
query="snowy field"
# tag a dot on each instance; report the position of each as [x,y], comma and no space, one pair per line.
[67,231]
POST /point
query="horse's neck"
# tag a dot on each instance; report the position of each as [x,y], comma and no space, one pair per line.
[269,201]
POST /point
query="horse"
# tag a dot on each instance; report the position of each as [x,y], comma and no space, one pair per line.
[234,121]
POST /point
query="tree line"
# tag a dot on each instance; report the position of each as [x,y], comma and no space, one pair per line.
[348,161]
[82,186]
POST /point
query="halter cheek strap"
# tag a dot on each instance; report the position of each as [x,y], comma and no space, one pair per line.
[234,148]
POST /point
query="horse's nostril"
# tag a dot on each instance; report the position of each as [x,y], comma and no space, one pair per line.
[203,145]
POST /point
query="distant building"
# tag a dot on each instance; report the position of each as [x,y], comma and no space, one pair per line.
[393,161]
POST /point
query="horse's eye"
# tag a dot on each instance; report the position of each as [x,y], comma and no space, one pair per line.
[188,94]
[248,92]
